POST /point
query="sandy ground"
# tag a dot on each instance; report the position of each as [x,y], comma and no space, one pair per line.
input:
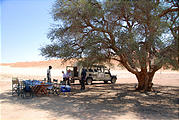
[98,102]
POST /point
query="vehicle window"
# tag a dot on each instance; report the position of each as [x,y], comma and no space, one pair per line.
[90,70]
[106,71]
[99,70]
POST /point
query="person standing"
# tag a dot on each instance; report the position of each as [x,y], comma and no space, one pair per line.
[49,74]
[68,76]
[64,77]
[83,77]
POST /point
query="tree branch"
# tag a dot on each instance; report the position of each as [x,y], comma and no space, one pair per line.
[124,63]
[167,11]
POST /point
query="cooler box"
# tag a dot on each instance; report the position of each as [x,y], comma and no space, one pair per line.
[65,88]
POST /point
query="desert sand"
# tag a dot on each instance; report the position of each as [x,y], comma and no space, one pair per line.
[98,102]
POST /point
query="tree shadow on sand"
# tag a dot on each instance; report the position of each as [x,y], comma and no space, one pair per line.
[105,101]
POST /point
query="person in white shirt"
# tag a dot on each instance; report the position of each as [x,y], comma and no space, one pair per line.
[49,74]
[64,76]
[68,76]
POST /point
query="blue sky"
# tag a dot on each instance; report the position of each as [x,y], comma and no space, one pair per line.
[24,28]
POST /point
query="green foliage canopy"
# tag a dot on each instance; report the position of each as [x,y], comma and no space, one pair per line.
[141,35]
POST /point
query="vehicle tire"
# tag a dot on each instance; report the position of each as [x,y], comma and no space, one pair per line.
[105,81]
[89,81]
[113,80]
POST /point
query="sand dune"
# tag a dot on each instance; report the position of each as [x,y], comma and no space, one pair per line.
[55,63]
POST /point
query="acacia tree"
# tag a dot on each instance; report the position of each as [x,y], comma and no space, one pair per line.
[141,35]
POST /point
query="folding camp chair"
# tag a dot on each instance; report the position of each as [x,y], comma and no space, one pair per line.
[55,83]
[56,87]
[15,86]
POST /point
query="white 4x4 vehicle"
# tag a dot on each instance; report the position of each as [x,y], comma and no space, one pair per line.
[93,73]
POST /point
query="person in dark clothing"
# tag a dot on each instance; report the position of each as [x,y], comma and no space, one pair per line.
[83,76]
[49,74]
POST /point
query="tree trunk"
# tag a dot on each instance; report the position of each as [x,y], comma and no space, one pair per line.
[145,81]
